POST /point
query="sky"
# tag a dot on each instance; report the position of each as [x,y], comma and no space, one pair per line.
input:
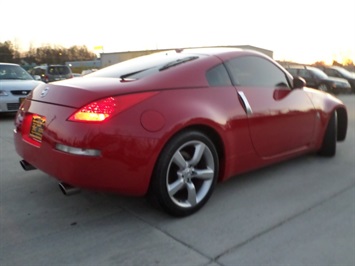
[303,31]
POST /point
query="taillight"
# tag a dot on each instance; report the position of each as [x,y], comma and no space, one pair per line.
[104,109]
[95,111]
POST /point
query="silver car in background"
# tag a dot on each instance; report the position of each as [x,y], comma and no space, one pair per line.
[15,84]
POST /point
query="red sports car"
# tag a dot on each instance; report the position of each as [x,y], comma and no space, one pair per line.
[171,125]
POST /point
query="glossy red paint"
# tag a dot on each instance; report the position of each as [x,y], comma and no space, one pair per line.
[283,123]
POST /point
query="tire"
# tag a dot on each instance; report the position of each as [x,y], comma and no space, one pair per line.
[323,87]
[328,148]
[185,174]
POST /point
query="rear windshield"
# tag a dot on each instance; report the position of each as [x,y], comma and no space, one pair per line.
[58,70]
[144,66]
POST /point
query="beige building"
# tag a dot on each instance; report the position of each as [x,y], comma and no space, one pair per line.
[108,59]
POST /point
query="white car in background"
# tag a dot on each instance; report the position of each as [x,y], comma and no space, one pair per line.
[15,84]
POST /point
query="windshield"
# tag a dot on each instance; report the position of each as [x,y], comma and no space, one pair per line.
[143,66]
[14,72]
[319,73]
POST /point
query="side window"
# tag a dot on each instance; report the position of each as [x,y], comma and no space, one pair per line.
[63,70]
[331,72]
[52,70]
[305,73]
[256,71]
[218,76]
[38,71]
[292,71]
[328,72]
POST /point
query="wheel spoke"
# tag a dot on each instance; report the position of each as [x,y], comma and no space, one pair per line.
[191,194]
[179,160]
[199,150]
[205,174]
[175,187]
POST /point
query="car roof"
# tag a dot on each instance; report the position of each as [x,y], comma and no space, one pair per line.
[215,51]
[209,50]
[50,65]
[9,64]
[302,67]
[335,67]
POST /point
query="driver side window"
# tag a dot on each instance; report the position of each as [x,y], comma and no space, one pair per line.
[254,71]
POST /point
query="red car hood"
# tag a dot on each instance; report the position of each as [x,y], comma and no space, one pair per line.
[78,92]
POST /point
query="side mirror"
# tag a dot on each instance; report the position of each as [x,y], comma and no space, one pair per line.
[299,83]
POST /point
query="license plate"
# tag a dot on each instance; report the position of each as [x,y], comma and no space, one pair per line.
[37,127]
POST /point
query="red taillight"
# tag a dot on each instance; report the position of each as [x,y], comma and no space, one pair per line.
[104,109]
[96,111]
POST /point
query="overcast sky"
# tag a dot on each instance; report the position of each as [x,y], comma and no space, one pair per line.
[303,31]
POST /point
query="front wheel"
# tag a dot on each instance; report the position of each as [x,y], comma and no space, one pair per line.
[185,174]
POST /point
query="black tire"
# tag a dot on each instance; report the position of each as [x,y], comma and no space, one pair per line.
[185,174]
[330,137]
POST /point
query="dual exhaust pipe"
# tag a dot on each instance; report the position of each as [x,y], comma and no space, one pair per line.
[68,190]
[26,166]
[65,188]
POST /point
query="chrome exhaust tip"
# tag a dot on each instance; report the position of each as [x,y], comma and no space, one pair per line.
[26,166]
[68,190]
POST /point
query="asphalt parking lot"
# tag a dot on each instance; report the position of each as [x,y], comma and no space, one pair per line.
[301,212]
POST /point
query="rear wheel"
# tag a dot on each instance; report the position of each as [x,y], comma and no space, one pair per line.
[330,138]
[185,174]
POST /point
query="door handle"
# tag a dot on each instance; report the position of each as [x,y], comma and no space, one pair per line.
[246,104]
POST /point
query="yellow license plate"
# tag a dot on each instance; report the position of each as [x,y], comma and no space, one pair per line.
[37,127]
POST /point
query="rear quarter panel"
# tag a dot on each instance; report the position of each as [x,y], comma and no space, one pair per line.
[215,108]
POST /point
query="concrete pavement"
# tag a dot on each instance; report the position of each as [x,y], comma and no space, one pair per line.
[300,212]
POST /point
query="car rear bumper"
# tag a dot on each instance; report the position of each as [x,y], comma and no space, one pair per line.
[123,164]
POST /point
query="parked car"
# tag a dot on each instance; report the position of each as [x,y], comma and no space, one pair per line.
[50,73]
[15,85]
[76,75]
[340,72]
[171,125]
[316,78]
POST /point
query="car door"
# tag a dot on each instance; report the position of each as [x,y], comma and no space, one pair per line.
[281,119]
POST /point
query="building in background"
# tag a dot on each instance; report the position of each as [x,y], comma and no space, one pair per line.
[84,64]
